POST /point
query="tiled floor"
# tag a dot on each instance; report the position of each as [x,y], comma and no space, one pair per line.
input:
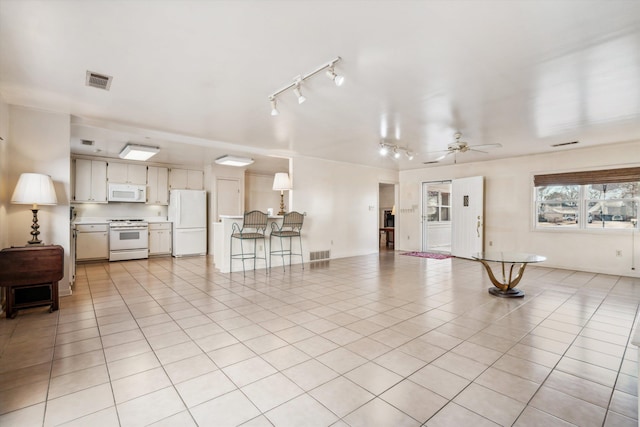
[380,340]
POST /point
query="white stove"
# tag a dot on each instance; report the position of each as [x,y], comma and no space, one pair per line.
[128,239]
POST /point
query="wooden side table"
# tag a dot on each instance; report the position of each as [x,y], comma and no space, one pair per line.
[31,275]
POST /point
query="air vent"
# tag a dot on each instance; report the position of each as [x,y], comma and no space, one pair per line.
[562,144]
[99,81]
[319,255]
[87,142]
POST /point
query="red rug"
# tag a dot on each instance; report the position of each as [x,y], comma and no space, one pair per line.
[431,255]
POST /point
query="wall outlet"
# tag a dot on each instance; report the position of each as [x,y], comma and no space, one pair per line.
[618,252]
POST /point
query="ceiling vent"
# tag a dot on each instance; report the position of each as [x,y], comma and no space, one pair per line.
[99,81]
[562,144]
[87,142]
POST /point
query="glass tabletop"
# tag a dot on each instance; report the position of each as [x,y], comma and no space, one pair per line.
[514,257]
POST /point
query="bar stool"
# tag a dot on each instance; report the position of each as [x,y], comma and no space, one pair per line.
[291,227]
[253,228]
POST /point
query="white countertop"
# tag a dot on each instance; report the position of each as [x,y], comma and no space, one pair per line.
[93,220]
[242,216]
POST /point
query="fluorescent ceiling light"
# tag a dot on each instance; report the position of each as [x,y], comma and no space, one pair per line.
[138,152]
[234,161]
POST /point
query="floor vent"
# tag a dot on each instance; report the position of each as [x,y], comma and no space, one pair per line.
[319,255]
[99,81]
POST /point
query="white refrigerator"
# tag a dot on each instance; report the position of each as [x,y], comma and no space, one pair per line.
[188,213]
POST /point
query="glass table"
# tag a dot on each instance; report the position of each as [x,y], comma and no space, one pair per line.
[505,288]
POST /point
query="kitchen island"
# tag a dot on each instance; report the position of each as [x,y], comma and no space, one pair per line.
[222,240]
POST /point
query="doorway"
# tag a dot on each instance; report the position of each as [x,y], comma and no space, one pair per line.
[386,216]
[453,216]
[436,216]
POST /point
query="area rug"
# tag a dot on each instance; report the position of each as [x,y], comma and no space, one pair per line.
[431,255]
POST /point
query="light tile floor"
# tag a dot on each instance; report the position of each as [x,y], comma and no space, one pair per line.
[379,340]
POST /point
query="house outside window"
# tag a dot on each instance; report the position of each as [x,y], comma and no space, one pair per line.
[605,199]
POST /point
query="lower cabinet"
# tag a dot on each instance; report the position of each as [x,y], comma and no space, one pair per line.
[160,238]
[92,241]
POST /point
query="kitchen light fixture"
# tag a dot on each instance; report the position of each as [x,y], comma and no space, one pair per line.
[34,189]
[138,152]
[397,150]
[281,182]
[233,161]
[298,80]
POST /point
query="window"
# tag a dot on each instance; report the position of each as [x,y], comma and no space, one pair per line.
[606,199]
[438,206]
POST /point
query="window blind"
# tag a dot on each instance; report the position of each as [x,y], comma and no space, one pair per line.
[604,176]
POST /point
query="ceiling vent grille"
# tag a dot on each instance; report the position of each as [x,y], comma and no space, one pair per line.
[99,81]
[562,144]
[87,142]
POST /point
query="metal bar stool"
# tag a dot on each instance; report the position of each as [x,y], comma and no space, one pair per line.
[253,228]
[291,227]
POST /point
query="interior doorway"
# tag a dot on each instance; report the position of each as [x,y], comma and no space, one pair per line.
[436,217]
[386,216]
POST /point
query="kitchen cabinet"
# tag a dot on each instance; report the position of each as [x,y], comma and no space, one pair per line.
[157,186]
[92,241]
[90,181]
[186,179]
[126,173]
[160,238]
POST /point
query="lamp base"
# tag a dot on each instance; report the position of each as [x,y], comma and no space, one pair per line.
[282,212]
[34,229]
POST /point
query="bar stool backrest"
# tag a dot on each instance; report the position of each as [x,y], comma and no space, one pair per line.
[293,220]
[255,219]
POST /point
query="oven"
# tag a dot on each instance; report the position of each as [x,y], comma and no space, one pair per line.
[128,239]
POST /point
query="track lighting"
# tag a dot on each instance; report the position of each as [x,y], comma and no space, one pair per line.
[274,107]
[338,80]
[296,85]
[397,151]
[296,91]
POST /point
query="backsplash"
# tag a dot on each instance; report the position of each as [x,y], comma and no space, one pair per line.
[119,210]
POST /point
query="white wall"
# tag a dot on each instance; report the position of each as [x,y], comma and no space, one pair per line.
[5,191]
[259,193]
[211,174]
[509,212]
[341,203]
[39,141]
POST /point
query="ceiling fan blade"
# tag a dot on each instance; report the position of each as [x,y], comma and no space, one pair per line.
[485,146]
[443,156]
[478,151]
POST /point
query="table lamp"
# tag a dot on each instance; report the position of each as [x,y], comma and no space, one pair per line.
[34,189]
[281,182]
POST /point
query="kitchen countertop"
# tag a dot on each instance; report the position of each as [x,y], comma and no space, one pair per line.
[90,220]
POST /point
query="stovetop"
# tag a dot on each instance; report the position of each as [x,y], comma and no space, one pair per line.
[127,223]
[126,220]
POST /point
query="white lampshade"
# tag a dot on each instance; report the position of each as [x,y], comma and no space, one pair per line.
[34,189]
[281,181]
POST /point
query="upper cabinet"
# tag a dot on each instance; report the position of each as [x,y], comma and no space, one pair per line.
[186,179]
[157,185]
[90,181]
[126,173]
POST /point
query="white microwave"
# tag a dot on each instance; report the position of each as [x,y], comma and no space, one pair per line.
[127,193]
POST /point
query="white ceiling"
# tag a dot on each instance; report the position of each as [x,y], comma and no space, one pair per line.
[525,74]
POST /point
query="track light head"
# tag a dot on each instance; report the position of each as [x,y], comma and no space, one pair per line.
[409,155]
[298,93]
[274,107]
[338,80]
[396,153]
[383,149]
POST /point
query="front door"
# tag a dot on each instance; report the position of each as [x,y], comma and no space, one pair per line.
[467,211]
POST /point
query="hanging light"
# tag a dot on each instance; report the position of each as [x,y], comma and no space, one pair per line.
[274,107]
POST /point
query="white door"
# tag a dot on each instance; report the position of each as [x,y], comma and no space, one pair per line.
[228,197]
[467,212]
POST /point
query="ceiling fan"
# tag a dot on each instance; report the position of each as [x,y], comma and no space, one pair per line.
[459,147]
